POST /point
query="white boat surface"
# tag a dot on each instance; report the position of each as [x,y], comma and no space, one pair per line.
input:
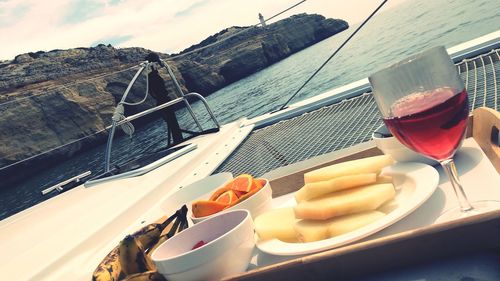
[65,237]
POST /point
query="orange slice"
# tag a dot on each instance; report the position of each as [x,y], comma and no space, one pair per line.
[260,182]
[257,184]
[245,196]
[243,183]
[203,208]
[227,197]
[218,192]
[239,193]
[248,194]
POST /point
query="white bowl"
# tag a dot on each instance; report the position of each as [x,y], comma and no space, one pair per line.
[389,145]
[256,204]
[230,243]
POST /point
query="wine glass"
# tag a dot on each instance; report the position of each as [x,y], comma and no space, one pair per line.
[425,106]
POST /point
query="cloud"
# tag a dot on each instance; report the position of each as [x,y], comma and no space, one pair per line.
[158,25]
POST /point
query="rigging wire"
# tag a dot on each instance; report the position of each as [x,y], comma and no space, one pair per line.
[332,55]
[52,149]
[235,34]
[285,10]
[64,86]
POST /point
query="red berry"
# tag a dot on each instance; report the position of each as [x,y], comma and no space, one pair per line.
[199,244]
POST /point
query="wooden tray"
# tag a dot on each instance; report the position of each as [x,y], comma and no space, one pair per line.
[478,236]
[460,246]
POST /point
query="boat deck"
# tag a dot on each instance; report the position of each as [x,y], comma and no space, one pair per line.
[346,123]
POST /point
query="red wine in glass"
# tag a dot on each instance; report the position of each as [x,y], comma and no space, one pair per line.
[432,123]
[424,104]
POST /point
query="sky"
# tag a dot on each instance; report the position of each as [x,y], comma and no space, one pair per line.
[167,26]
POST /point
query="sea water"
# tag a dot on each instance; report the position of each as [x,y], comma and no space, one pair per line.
[389,37]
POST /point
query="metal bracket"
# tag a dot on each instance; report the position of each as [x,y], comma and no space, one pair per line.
[60,186]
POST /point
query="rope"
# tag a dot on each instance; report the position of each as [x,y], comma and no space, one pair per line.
[332,55]
[118,116]
[148,70]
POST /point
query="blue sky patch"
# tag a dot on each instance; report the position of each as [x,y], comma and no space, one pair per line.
[115,41]
[12,16]
[114,2]
[81,10]
[190,9]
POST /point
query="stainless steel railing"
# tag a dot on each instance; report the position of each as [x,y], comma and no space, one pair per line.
[119,119]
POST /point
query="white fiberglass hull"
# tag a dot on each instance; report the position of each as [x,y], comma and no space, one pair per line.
[65,237]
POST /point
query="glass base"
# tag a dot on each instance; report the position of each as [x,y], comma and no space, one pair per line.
[478,207]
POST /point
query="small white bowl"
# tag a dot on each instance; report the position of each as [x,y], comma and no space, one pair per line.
[256,204]
[228,250]
[389,145]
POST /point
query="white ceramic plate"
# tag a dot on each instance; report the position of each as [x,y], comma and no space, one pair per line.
[414,183]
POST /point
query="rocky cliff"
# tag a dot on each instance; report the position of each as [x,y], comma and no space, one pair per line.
[52,99]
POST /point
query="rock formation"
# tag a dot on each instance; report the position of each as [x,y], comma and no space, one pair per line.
[52,99]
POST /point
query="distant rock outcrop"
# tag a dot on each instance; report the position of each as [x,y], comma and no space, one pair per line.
[47,101]
[246,52]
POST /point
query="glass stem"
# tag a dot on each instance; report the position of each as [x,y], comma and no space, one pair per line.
[451,171]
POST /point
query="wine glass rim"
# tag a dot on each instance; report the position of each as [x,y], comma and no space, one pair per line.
[407,60]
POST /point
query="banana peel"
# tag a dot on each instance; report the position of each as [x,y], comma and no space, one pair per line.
[146,276]
[131,259]
[109,269]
